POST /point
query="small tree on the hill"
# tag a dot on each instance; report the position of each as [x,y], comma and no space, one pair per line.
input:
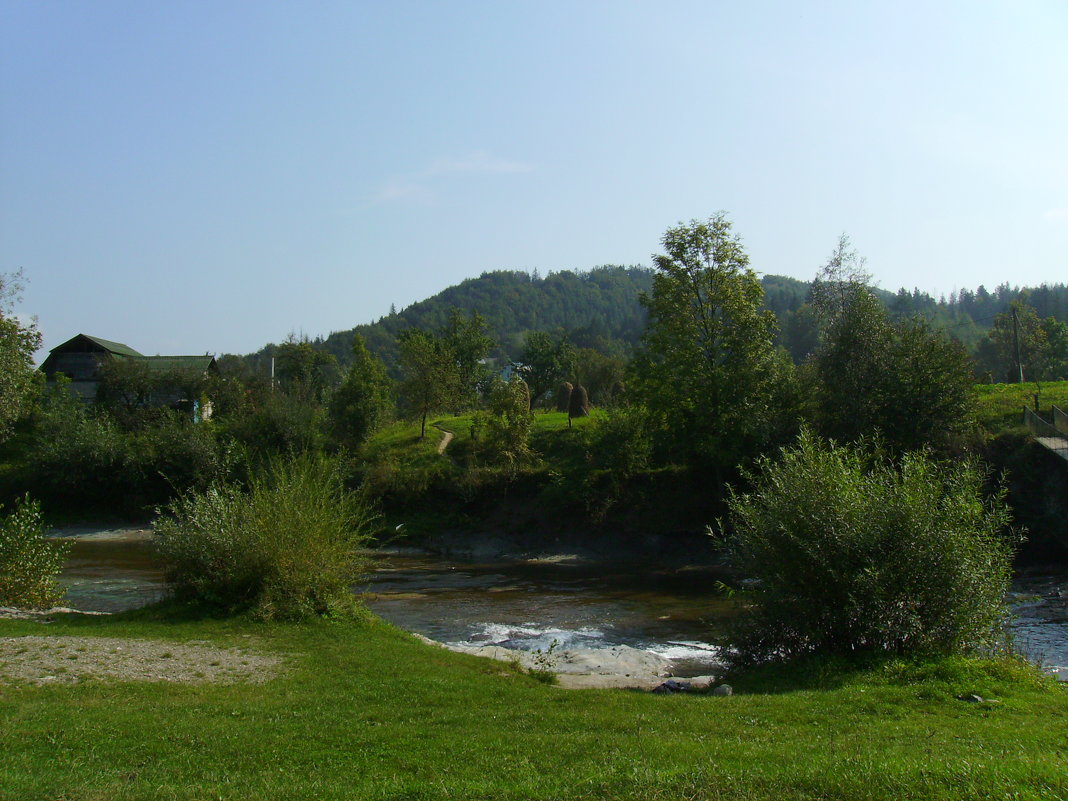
[545,362]
[467,343]
[579,405]
[1043,346]
[362,401]
[510,422]
[429,374]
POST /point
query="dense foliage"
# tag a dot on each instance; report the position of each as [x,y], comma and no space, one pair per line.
[81,457]
[902,378]
[545,362]
[363,401]
[508,423]
[597,308]
[288,547]
[851,552]
[600,310]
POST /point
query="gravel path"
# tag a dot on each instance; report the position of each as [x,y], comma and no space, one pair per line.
[69,660]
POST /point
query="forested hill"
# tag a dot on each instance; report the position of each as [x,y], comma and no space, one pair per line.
[599,309]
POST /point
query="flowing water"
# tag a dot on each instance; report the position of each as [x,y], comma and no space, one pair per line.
[558,603]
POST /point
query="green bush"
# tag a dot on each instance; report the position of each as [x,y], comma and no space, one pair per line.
[287,548]
[282,424]
[28,562]
[852,553]
[509,423]
[79,457]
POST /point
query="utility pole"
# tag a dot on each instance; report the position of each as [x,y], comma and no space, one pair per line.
[1016,343]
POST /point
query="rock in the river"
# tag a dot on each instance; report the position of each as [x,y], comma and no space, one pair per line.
[671,686]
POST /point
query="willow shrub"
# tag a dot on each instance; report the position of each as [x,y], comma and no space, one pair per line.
[854,553]
[28,562]
[289,547]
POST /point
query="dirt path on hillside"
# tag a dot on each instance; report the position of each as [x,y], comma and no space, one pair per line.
[446,438]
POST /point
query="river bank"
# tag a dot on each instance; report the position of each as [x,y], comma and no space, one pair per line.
[366,711]
[597,621]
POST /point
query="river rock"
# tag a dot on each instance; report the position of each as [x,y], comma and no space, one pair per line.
[15,613]
[671,686]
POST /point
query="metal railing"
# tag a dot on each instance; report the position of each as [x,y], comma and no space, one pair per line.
[1046,433]
[1060,420]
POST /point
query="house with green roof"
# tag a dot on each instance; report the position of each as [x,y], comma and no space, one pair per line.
[82,358]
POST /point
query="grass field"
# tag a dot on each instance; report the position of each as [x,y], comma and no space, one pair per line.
[364,711]
[1000,406]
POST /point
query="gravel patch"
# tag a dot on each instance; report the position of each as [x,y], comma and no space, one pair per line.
[70,660]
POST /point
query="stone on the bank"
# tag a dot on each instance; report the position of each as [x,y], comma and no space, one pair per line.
[723,690]
[671,686]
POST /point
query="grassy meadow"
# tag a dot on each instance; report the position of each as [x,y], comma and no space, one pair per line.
[366,711]
[1000,406]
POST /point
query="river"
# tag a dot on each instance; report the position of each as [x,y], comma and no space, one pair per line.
[547,604]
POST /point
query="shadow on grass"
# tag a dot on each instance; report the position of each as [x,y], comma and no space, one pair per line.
[804,673]
[938,673]
[166,611]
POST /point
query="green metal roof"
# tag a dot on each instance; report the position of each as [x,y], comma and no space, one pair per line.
[112,347]
[159,363]
[200,363]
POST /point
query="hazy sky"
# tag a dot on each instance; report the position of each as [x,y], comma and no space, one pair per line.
[190,176]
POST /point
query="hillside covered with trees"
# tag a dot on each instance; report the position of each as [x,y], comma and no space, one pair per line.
[600,309]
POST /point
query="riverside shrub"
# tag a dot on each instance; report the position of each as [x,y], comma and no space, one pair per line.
[28,562]
[853,553]
[288,548]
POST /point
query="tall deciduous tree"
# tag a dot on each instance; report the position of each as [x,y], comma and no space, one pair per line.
[1043,346]
[305,371]
[852,357]
[907,380]
[362,401]
[18,341]
[707,367]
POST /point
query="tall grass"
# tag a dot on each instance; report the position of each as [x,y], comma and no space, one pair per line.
[289,547]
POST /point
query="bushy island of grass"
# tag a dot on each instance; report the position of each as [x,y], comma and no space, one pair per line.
[877,700]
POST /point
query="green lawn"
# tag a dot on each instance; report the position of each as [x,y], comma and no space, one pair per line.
[1000,406]
[400,442]
[367,712]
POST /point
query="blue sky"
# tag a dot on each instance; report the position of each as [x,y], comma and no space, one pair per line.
[192,177]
